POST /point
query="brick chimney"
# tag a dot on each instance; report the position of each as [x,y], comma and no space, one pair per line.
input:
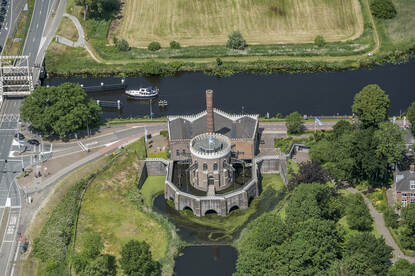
[412,168]
[209,111]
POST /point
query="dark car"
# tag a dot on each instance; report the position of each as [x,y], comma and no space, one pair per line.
[3,11]
[4,3]
[33,142]
[19,136]
[1,18]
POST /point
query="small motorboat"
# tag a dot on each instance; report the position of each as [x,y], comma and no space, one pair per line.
[143,93]
[163,103]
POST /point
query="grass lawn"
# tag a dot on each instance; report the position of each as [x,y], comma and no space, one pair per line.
[348,232]
[225,227]
[161,154]
[378,199]
[152,187]
[401,28]
[202,22]
[109,209]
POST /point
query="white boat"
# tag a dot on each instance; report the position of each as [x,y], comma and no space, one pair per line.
[143,93]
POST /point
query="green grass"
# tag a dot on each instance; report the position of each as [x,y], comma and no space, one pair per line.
[139,147]
[161,154]
[378,199]
[395,235]
[349,232]
[152,187]
[110,208]
[226,228]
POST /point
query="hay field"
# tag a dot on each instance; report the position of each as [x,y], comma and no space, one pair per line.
[209,22]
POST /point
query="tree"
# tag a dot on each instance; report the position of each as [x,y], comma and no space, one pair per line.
[391,218]
[103,265]
[311,250]
[402,268]
[101,9]
[236,41]
[358,215]
[92,245]
[136,259]
[175,45]
[390,142]
[309,172]
[364,250]
[294,123]
[342,127]
[319,41]
[60,109]
[408,232]
[122,45]
[371,106]
[383,9]
[154,46]
[410,114]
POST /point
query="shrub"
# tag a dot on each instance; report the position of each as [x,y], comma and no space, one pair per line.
[164,133]
[154,46]
[219,61]
[391,218]
[136,259]
[383,9]
[319,41]
[122,45]
[174,45]
[236,41]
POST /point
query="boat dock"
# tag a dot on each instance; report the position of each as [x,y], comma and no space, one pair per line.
[110,104]
[105,87]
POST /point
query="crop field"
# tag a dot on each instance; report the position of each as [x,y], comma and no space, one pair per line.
[209,22]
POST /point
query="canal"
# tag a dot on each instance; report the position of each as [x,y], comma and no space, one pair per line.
[322,93]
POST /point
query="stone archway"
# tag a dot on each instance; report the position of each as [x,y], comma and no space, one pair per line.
[188,208]
[233,208]
[211,211]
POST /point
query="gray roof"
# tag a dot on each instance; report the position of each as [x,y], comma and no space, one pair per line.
[403,181]
[232,126]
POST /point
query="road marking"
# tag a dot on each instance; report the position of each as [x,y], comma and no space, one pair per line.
[109,144]
[92,143]
[37,25]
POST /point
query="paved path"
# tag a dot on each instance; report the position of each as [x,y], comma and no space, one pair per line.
[81,35]
[383,230]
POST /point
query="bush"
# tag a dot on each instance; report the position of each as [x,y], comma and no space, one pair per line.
[164,133]
[136,259]
[174,45]
[236,41]
[391,218]
[319,41]
[219,61]
[154,46]
[383,9]
[122,45]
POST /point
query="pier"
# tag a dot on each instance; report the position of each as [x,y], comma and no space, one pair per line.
[105,87]
[110,104]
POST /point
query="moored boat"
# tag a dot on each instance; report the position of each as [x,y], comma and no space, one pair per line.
[143,93]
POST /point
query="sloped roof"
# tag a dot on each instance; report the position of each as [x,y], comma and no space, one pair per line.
[403,181]
[232,126]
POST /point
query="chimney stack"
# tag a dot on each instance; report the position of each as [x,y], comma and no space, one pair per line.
[412,168]
[209,111]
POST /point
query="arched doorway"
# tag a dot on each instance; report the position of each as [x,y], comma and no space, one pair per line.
[187,208]
[211,180]
[235,207]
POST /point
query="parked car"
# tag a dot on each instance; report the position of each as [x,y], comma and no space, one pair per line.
[33,142]
[19,136]
[4,3]
[1,18]
[3,11]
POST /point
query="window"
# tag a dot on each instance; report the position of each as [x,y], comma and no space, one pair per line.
[177,152]
[412,184]
[404,194]
[211,181]
[205,167]
[184,151]
[215,166]
[403,202]
[412,200]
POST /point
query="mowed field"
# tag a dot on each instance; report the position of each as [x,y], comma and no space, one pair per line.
[209,22]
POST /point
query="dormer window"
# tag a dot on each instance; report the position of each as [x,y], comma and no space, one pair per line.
[412,183]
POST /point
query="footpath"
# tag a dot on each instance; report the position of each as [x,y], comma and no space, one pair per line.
[383,230]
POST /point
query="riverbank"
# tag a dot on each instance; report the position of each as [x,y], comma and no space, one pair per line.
[381,42]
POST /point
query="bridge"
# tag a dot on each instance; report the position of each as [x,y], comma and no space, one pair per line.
[15,77]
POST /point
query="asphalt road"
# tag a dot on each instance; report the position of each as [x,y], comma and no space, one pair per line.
[10,19]
[10,214]
[36,29]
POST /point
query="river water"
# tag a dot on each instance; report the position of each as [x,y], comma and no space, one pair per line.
[322,93]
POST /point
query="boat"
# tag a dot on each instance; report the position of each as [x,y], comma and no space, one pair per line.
[163,103]
[143,93]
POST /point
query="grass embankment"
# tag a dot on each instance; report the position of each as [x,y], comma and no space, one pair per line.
[31,264]
[257,58]
[152,187]
[111,208]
